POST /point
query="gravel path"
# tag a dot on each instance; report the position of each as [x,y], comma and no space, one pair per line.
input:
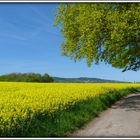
[121,120]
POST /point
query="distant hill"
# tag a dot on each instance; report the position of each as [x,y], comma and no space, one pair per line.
[84,80]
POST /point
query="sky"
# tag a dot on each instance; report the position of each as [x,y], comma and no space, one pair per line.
[30,43]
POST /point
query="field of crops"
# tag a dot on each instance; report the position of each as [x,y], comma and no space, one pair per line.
[26,109]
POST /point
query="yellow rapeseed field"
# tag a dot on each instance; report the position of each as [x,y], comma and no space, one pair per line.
[18,100]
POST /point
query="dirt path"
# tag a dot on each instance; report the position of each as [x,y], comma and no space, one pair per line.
[122,119]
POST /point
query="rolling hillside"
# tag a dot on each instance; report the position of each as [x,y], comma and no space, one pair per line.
[84,80]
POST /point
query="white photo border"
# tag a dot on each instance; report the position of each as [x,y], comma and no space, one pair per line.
[68,1]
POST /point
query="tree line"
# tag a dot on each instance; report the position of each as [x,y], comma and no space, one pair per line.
[26,77]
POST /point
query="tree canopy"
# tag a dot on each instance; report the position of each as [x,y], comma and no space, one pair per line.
[108,32]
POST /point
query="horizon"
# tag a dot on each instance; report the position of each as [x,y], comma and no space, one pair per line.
[30,42]
[70,77]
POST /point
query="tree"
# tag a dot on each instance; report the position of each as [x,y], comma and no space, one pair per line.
[47,78]
[26,77]
[108,32]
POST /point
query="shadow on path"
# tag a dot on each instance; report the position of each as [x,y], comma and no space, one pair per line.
[130,103]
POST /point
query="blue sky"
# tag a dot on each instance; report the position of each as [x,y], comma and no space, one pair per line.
[30,43]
